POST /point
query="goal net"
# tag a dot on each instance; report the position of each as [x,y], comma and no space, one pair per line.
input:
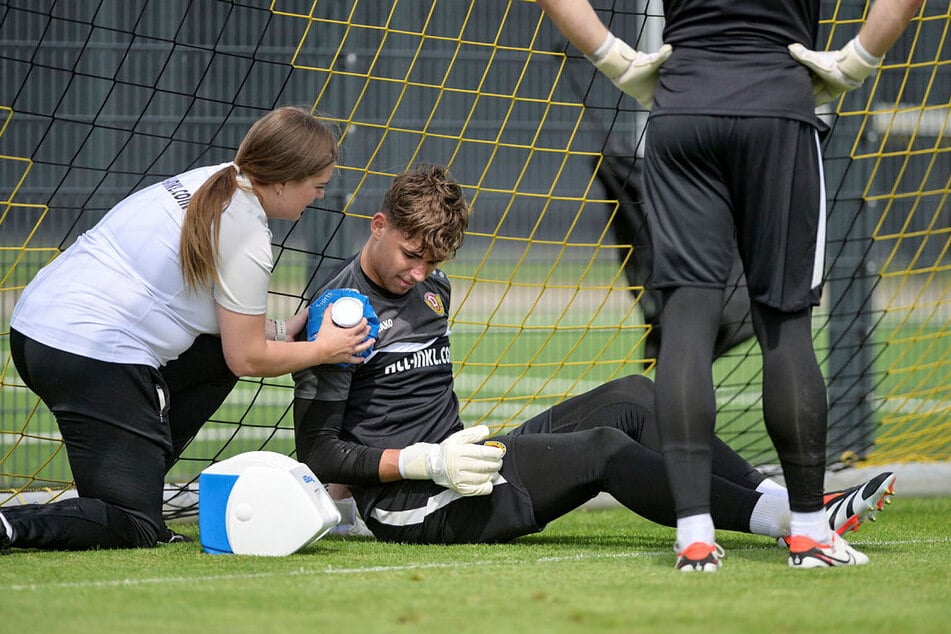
[98,99]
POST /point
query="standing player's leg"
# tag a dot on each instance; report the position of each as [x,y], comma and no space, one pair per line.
[686,406]
[794,399]
[795,413]
[780,229]
[690,210]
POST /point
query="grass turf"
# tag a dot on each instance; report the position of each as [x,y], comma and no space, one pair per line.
[603,571]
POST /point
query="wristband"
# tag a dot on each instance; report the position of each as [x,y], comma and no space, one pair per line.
[280,330]
[868,58]
[598,54]
[413,461]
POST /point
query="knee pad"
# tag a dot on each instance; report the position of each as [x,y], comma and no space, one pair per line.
[262,503]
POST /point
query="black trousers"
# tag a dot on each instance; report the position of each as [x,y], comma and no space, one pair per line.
[124,426]
[607,440]
[603,440]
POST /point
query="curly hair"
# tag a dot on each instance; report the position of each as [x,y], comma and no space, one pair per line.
[427,203]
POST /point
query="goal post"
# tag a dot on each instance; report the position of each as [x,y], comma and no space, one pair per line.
[97,101]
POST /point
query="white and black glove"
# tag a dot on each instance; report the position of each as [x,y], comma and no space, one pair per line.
[634,72]
[836,72]
[459,462]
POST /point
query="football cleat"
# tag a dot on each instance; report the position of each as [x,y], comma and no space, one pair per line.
[806,553]
[699,557]
[848,508]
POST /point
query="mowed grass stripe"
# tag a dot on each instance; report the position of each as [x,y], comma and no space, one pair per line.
[332,570]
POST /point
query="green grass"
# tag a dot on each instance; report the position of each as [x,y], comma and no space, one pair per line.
[591,571]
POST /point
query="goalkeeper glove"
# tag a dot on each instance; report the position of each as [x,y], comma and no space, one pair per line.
[458,463]
[635,73]
[835,72]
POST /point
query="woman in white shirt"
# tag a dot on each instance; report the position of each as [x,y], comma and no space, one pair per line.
[136,333]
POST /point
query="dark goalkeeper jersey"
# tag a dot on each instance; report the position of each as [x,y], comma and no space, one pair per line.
[730,58]
[402,394]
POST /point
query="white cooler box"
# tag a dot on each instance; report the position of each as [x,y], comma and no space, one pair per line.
[262,503]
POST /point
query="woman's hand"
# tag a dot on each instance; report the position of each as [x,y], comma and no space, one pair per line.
[248,353]
[342,345]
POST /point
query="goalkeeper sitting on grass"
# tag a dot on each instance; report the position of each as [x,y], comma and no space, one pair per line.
[390,428]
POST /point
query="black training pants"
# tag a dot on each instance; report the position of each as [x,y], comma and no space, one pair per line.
[603,440]
[123,426]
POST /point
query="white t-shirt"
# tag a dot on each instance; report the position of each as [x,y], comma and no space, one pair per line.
[118,293]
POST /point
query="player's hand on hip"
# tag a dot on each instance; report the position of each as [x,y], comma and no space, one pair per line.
[835,72]
[460,462]
[634,72]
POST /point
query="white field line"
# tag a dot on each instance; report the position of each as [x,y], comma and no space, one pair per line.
[331,571]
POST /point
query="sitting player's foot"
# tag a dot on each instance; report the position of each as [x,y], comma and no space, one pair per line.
[699,557]
[848,508]
[806,553]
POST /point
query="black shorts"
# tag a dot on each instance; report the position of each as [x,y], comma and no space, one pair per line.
[715,184]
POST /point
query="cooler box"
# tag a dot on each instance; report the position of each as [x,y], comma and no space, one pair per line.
[262,503]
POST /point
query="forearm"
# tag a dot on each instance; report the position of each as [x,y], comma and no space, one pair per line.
[634,72]
[390,465]
[318,444]
[317,426]
[886,21]
[577,21]
[249,351]
[263,358]
[347,463]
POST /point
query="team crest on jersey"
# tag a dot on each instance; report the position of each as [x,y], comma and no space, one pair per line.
[434,301]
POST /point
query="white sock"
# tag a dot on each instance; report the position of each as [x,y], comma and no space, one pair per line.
[813,525]
[7,527]
[770,516]
[695,528]
[771,487]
